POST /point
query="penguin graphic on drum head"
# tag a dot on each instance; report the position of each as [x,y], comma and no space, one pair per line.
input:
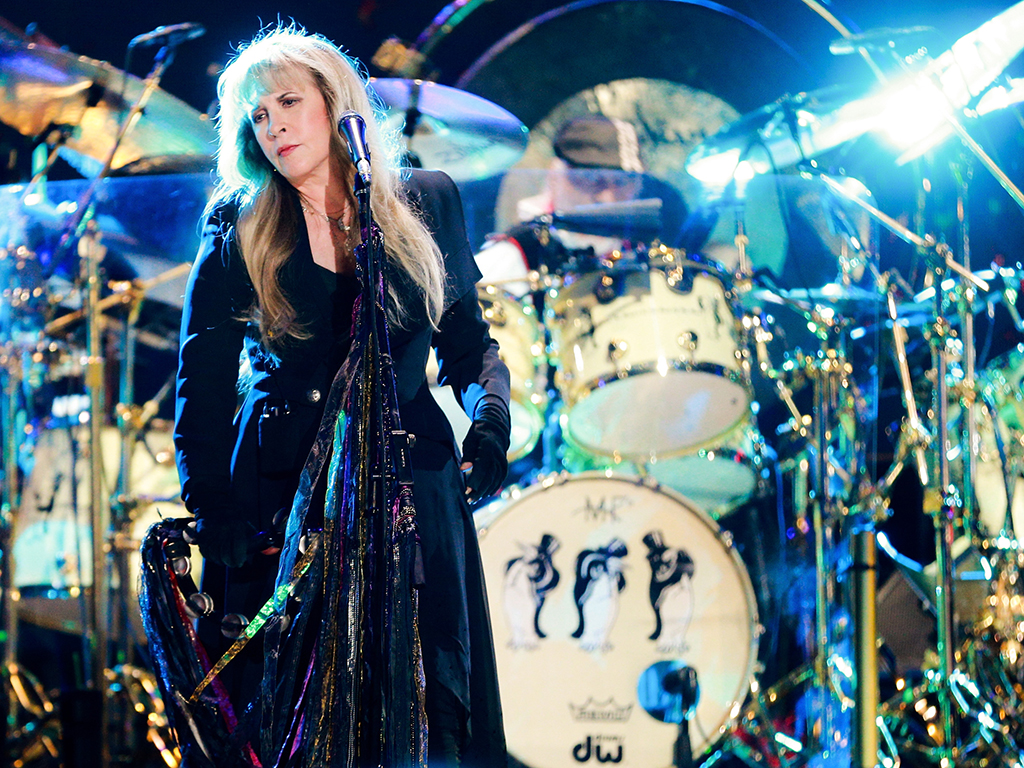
[528,579]
[671,592]
[599,580]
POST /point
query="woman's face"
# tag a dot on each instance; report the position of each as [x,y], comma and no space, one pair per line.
[294,130]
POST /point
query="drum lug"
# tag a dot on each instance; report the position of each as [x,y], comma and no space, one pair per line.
[617,349]
[495,315]
[608,289]
[688,342]
[727,539]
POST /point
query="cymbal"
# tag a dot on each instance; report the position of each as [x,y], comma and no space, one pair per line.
[147,222]
[44,88]
[460,133]
[831,294]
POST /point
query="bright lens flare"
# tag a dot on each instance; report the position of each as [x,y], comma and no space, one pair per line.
[916,113]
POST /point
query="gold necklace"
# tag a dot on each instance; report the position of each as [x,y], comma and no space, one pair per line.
[335,220]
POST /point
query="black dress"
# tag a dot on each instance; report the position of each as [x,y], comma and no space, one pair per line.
[244,462]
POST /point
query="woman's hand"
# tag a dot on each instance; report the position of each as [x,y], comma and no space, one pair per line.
[224,539]
[484,452]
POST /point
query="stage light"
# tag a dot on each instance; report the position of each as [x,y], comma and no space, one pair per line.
[916,116]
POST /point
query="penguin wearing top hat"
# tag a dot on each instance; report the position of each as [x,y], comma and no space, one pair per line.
[599,580]
[671,592]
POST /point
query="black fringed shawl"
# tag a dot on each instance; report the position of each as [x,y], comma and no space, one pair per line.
[350,691]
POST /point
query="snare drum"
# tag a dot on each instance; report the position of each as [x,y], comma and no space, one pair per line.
[717,480]
[649,360]
[52,531]
[514,325]
[598,585]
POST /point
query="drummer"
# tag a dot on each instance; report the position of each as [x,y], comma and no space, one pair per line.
[597,161]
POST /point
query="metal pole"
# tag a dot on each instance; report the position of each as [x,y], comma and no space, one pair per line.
[91,253]
[939,503]
[865,627]
[8,504]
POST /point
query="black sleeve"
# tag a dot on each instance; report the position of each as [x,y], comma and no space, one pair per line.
[212,336]
[468,358]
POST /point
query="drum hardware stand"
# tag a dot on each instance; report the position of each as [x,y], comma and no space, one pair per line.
[28,716]
[941,500]
[81,224]
[683,684]
[97,630]
[131,421]
[830,373]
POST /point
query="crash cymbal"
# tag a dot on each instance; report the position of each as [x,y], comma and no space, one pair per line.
[457,132]
[44,89]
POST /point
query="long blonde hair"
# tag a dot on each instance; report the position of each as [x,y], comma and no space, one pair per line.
[267,226]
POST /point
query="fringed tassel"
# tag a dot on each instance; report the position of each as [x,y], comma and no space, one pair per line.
[206,727]
[344,684]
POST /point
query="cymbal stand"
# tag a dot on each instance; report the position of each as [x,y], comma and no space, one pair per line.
[829,372]
[870,510]
[81,225]
[122,505]
[132,422]
[97,631]
[29,717]
[10,378]
[941,501]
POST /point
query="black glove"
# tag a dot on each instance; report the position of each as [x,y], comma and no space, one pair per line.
[486,448]
[224,539]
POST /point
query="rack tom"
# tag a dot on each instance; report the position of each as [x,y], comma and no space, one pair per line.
[650,358]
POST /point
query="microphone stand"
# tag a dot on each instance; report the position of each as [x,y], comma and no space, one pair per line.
[382,439]
[683,683]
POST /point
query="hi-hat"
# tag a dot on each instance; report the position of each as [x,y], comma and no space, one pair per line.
[46,89]
[457,132]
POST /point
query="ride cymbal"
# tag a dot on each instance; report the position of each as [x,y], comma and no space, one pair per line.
[464,135]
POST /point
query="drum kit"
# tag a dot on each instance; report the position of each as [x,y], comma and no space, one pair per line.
[626,623]
[630,599]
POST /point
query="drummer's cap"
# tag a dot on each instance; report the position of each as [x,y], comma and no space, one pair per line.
[599,142]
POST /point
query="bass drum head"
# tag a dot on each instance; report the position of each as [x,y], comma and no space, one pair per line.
[599,586]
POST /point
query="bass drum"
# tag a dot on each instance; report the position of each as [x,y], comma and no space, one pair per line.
[599,587]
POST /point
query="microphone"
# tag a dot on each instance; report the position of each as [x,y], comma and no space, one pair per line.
[880,39]
[353,127]
[170,35]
